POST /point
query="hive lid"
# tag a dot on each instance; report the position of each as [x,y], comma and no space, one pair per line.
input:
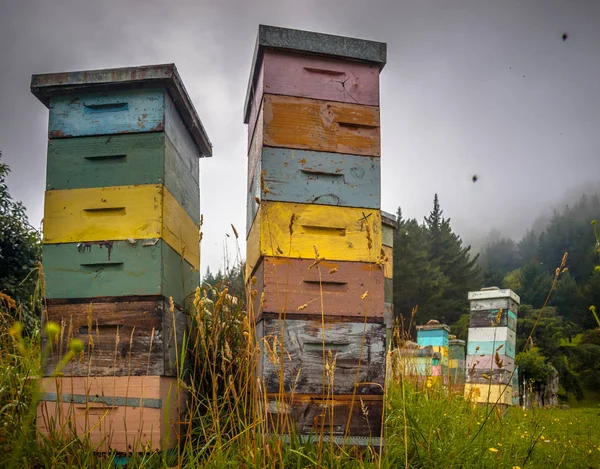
[493,293]
[46,85]
[308,42]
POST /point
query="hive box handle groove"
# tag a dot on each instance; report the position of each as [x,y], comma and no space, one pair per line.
[322,230]
[104,211]
[356,126]
[324,71]
[104,327]
[321,173]
[101,158]
[333,346]
[106,107]
[103,265]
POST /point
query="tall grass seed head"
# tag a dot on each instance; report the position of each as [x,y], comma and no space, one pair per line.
[76,346]
[52,330]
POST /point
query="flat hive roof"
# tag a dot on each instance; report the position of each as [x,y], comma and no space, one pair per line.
[46,85]
[308,42]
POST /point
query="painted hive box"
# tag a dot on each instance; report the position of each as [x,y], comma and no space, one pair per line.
[296,288]
[117,268]
[120,213]
[317,77]
[316,357]
[313,65]
[435,335]
[122,336]
[284,229]
[122,414]
[126,160]
[310,177]
[493,393]
[310,124]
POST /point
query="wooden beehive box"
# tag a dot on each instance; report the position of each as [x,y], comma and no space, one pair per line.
[318,357]
[123,414]
[122,336]
[340,289]
[339,233]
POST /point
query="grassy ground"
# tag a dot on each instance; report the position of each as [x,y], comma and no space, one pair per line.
[426,427]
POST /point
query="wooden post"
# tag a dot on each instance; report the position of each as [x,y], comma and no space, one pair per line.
[318,250]
[121,251]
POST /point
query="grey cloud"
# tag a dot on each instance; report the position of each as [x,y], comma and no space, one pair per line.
[471,87]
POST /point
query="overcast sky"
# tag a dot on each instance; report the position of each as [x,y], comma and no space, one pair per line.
[480,87]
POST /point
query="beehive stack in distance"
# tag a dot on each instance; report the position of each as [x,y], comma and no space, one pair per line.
[315,252]
[491,345]
[433,348]
[456,363]
[121,238]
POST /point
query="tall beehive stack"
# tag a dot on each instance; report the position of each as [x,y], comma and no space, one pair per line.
[388,231]
[121,236]
[434,336]
[314,242]
[491,345]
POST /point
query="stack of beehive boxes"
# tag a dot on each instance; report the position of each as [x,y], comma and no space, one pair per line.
[491,345]
[388,235]
[456,363]
[315,256]
[121,237]
[434,337]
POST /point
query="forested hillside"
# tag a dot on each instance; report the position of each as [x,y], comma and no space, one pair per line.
[556,266]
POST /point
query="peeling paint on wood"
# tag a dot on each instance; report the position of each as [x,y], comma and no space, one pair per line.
[339,233]
[354,350]
[121,335]
[117,268]
[489,376]
[309,124]
[328,79]
[124,160]
[121,428]
[164,76]
[290,286]
[308,177]
[120,213]
[111,112]
[340,415]
[493,317]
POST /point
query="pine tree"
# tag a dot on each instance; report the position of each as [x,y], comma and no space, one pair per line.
[417,280]
[454,262]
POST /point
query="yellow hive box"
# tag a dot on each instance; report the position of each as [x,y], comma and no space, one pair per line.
[339,233]
[389,262]
[492,393]
[120,213]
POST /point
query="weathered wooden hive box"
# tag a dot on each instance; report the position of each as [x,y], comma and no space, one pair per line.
[318,250]
[120,249]
[491,346]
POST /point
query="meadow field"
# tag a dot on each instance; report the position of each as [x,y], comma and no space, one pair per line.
[426,425]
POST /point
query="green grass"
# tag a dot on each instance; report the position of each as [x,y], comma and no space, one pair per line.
[426,427]
[445,431]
